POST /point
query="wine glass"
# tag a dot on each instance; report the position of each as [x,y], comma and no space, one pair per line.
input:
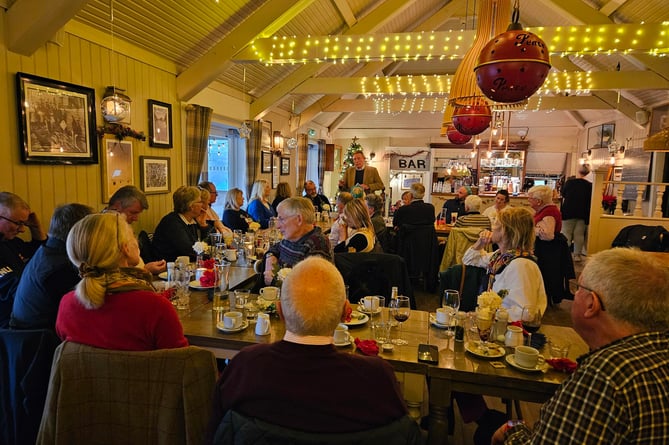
[451,301]
[400,309]
[531,318]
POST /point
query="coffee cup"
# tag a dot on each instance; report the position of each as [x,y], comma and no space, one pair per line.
[262,325]
[527,356]
[370,303]
[443,315]
[269,293]
[230,254]
[232,320]
[341,334]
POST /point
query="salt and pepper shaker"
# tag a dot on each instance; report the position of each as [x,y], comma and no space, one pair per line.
[499,328]
[170,274]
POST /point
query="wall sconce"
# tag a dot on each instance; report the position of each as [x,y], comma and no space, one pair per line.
[522,133]
[277,146]
[372,155]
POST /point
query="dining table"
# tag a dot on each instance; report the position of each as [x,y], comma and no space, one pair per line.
[456,370]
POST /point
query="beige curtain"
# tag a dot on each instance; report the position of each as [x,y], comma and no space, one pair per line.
[321,164]
[198,122]
[253,151]
[302,149]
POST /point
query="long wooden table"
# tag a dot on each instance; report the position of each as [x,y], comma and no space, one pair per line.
[457,370]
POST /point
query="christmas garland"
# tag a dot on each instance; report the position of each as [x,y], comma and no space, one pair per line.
[393,153]
[121,132]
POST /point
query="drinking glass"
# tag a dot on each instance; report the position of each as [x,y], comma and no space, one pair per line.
[400,309]
[451,301]
[531,318]
[182,281]
[484,326]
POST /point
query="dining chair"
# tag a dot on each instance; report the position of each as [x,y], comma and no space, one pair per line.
[418,245]
[119,397]
[459,240]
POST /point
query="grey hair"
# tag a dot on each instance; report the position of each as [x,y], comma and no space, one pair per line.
[299,206]
[64,217]
[10,201]
[184,197]
[417,190]
[473,203]
[231,198]
[542,192]
[632,286]
[126,196]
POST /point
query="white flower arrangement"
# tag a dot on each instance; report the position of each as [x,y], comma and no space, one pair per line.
[200,247]
[488,302]
[326,207]
[283,273]
[253,226]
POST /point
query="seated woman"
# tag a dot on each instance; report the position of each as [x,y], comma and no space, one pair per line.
[259,207]
[282,192]
[179,230]
[342,199]
[233,216]
[114,306]
[513,266]
[361,237]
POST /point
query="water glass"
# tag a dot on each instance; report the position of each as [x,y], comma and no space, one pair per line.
[241,298]
[558,349]
[251,310]
[182,280]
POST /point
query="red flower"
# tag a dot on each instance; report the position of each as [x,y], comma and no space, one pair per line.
[207,264]
[208,278]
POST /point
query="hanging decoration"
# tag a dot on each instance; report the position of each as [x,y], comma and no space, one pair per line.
[291,142]
[513,65]
[457,137]
[472,119]
[245,129]
[115,105]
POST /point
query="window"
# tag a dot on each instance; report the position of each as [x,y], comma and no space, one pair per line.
[226,162]
[312,163]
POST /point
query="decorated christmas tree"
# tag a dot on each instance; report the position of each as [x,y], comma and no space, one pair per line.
[348,157]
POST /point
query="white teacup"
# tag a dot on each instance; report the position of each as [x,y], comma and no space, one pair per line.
[230,254]
[341,334]
[443,315]
[199,273]
[370,303]
[232,320]
[269,293]
[528,357]
[262,325]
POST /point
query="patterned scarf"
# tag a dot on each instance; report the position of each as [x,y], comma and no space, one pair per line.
[129,279]
[499,261]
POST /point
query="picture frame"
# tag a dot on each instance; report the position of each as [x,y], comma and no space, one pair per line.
[160,124]
[57,122]
[266,162]
[285,166]
[276,168]
[410,178]
[601,135]
[266,135]
[154,174]
[117,165]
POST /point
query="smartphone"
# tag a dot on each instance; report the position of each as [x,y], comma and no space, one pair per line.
[428,354]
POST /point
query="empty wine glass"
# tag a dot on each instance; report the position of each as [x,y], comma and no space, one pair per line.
[451,301]
[400,309]
[531,318]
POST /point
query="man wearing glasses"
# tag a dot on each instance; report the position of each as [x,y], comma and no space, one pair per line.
[15,216]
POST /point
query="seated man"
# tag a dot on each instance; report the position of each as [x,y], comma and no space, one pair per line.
[456,205]
[618,394]
[321,202]
[417,212]
[15,216]
[472,216]
[302,382]
[49,275]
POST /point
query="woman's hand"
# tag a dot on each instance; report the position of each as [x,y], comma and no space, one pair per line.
[485,238]
[268,275]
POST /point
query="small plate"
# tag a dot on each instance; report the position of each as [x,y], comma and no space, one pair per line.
[436,324]
[511,360]
[163,275]
[357,318]
[220,327]
[195,284]
[494,351]
[341,345]
[362,309]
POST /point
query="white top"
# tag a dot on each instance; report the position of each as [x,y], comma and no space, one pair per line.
[521,277]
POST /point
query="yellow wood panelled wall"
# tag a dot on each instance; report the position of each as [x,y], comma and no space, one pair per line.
[81,62]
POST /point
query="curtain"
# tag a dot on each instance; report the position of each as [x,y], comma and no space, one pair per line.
[253,150]
[321,164]
[302,149]
[198,122]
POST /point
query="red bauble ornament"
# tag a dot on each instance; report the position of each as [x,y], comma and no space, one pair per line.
[471,119]
[512,66]
[456,137]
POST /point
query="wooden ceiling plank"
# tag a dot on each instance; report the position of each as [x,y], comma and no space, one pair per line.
[31,23]
[611,6]
[345,10]
[578,10]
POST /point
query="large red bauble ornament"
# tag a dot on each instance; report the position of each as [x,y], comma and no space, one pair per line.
[471,119]
[456,137]
[512,66]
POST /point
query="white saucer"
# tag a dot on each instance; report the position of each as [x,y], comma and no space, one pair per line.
[195,284]
[436,324]
[341,345]
[493,351]
[362,309]
[511,360]
[220,327]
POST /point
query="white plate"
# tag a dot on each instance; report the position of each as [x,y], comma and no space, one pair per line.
[195,284]
[436,324]
[357,318]
[341,345]
[493,351]
[362,309]
[511,360]
[220,327]
[163,275]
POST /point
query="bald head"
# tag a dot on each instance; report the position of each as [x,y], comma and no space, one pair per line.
[312,297]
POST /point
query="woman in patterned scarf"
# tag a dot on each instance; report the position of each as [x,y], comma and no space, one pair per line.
[114,306]
[513,266]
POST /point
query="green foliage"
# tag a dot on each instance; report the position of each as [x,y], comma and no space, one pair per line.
[348,156]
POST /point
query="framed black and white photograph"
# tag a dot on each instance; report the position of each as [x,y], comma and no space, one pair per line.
[285,166]
[117,169]
[266,162]
[160,124]
[266,135]
[56,121]
[154,172]
[601,135]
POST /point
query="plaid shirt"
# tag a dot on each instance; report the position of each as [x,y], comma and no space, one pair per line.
[618,395]
[290,253]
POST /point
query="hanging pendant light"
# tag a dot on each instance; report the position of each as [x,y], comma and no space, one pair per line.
[513,65]
[457,137]
[115,105]
[245,128]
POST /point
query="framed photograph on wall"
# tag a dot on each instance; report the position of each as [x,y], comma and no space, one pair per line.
[266,162]
[601,135]
[56,121]
[408,179]
[116,166]
[154,174]
[285,166]
[266,135]
[160,124]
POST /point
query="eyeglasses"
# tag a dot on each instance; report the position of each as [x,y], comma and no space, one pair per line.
[601,303]
[18,223]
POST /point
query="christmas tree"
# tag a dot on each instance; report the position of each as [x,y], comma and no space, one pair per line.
[348,157]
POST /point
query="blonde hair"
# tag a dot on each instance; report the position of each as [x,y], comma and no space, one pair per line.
[518,228]
[94,245]
[356,214]
[231,198]
[258,189]
[541,192]
[312,297]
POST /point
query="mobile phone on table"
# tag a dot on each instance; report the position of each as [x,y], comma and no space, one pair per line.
[428,354]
